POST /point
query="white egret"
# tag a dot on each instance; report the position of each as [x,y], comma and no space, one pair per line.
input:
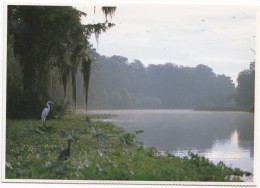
[46,111]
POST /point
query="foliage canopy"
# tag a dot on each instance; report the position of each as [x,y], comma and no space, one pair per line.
[246,87]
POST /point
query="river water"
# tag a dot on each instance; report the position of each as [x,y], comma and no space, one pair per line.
[217,135]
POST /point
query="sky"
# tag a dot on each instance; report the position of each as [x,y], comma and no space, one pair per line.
[219,36]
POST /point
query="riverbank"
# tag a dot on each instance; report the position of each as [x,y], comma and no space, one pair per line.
[99,151]
[243,109]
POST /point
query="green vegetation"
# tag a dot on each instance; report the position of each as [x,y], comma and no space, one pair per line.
[99,151]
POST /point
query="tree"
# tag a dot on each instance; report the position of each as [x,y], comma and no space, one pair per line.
[48,37]
[246,87]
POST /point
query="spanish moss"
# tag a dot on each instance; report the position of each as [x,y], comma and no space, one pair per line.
[109,11]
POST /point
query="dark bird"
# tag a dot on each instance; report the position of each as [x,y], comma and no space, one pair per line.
[139,131]
[87,120]
[203,20]
[64,155]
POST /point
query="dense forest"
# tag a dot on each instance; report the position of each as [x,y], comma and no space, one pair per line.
[117,84]
[127,85]
[68,71]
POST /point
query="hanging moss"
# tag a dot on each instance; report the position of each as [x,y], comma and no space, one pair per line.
[86,66]
[109,11]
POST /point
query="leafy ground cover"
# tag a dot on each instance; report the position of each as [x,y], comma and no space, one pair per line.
[99,151]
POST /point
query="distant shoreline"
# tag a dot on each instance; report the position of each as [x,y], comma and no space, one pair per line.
[244,109]
[235,109]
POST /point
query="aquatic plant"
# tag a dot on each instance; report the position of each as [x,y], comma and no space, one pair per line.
[111,154]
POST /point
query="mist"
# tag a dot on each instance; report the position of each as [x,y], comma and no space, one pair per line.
[116,83]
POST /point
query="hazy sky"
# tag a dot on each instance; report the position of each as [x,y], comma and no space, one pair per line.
[218,36]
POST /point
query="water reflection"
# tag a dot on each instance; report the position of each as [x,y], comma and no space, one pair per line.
[220,136]
[231,153]
[234,138]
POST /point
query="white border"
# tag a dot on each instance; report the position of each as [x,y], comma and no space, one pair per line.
[98,183]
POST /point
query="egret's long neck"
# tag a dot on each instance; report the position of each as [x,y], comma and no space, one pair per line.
[48,106]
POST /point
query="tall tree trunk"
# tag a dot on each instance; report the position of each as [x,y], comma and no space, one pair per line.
[30,92]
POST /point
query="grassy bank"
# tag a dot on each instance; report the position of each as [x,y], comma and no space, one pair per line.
[99,151]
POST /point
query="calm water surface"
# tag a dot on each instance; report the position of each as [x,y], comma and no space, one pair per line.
[219,136]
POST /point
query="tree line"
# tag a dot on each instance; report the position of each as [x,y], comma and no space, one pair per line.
[118,84]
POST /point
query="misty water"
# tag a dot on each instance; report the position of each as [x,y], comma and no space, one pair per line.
[219,136]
